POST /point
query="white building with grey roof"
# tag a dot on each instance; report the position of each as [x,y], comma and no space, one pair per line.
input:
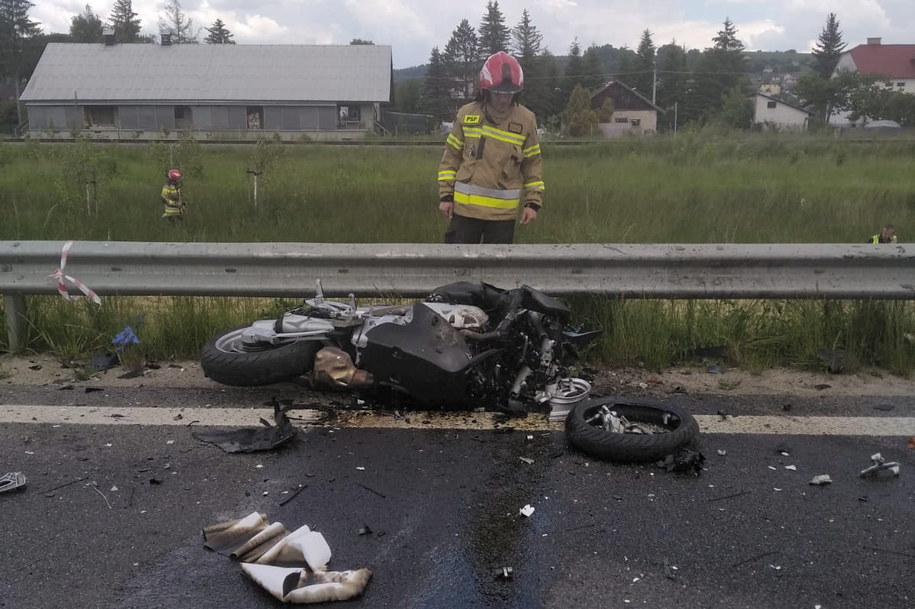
[143,91]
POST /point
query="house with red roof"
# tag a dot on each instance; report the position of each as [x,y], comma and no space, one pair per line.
[895,62]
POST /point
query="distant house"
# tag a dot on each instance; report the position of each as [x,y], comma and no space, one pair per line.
[895,62]
[775,114]
[632,112]
[143,91]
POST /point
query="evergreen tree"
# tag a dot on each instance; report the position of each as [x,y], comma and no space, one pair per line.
[436,95]
[462,60]
[580,119]
[16,30]
[644,67]
[178,24]
[554,97]
[360,41]
[592,76]
[828,48]
[736,110]
[721,69]
[218,34]
[493,34]
[408,96]
[574,70]
[605,112]
[86,27]
[528,40]
[124,22]
[672,77]
[625,68]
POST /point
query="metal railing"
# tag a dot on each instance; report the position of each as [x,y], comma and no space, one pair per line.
[695,271]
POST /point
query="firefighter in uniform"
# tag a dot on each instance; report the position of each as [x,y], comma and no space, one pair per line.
[171,196]
[886,235]
[491,166]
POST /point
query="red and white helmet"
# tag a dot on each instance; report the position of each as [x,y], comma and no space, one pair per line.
[174,175]
[501,73]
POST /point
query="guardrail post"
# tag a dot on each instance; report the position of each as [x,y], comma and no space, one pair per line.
[15,321]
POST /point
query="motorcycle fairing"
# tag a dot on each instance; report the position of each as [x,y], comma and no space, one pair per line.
[425,356]
[498,302]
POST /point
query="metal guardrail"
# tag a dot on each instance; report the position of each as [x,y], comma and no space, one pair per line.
[696,271]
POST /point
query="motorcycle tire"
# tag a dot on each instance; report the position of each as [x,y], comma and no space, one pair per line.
[223,362]
[592,439]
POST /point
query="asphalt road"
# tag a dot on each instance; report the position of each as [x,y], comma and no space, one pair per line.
[112,513]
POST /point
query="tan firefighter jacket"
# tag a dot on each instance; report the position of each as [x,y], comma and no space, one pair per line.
[489,168]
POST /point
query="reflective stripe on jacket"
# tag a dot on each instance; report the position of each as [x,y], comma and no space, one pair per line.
[490,167]
[171,197]
[171,194]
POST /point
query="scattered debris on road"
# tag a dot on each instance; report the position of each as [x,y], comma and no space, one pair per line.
[11,480]
[880,465]
[684,461]
[504,573]
[261,546]
[252,439]
[821,480]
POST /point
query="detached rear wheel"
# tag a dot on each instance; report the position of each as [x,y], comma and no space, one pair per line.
[588,427]
[227,360]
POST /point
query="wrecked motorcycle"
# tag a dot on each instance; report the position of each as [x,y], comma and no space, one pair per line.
[466,345]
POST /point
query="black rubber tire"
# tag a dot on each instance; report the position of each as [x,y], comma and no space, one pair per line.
[630,447]
[225,363]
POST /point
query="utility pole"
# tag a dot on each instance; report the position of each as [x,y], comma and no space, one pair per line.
[16,75]
[675,119]
[654,83]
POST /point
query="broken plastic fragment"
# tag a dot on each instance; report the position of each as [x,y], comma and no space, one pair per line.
[527,510]
[291,566]
[253,438]
[821,480]
[292,585]
[503,573]
[880,464]
[11,480]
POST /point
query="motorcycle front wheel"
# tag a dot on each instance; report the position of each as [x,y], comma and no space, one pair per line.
[226,360]
[654,430]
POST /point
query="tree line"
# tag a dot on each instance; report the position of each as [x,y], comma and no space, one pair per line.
[711,86]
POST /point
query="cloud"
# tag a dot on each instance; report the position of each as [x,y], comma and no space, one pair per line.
[413,27]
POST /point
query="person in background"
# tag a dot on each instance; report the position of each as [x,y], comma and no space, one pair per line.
[886,235]
[171,196]
[490,175]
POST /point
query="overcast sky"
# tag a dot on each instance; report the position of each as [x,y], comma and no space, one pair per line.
[414,27]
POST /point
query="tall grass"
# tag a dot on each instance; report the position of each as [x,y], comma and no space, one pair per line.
[702,187]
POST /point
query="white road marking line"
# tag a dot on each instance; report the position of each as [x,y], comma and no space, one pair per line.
[814,426]
[246,417]
[112,415]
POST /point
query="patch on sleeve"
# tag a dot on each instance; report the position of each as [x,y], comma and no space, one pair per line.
[472,119]
[515,127]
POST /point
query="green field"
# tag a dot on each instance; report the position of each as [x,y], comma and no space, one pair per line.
[702,187]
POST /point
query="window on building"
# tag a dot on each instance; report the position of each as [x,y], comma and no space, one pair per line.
[621,120]
[255,117]
[100,116]
[901,85]
[771,104]
[348,116]
[635,122]
[183,117]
